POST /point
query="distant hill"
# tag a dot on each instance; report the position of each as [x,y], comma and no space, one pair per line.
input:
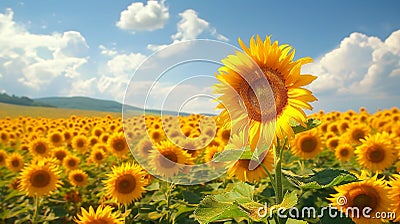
[23,101]
[87,103]
[82,103]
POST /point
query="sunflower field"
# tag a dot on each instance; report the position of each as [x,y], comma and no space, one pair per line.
[327,167]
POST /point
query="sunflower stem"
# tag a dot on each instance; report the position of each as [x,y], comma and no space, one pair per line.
[278,170]
[36,208]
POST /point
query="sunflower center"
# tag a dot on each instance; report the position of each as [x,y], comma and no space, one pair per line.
[71,163]
[80,144]
[99,156]
[358,134]
[244,163]
[155,135]
[119,145]
[226,134]
[344,152]
[40,148]
[78,178]
[40,178]
[376,154]
[15,163]
[2,158]
[125,184]
[60,155]
[170,159]
[266,97]
[56,138]
[308,144]
[334,143]
[364,197]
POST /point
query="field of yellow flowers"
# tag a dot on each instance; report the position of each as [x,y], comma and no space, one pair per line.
[258,161]
[78,168]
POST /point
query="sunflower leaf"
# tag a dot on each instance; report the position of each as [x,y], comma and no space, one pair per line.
[320,179]
[236,203]
[232,155]
[310,124]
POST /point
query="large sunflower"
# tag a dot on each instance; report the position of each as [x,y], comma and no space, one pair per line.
[39,179]
[103,215]
[270,92]
[126,183]
[376,152]
[371,193]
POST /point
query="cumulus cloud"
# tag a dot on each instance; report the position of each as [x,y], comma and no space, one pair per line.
[190,27]
[106,51]
[141,17]
[35,62]
[361,66]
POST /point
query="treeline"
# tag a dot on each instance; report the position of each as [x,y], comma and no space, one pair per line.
[23,100]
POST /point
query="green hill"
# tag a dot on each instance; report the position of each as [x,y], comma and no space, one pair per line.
[87,103]
[84,103]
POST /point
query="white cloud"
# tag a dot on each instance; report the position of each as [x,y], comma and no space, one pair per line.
[140,17]
[108,52]
[190,27]
[361,66]
[125,64]
[38,61]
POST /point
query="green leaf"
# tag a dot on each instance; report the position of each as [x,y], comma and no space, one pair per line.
[295,221]
[232,155]
[310,124]
[237,203]
[323,178]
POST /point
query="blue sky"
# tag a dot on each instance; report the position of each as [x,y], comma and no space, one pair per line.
[92,48]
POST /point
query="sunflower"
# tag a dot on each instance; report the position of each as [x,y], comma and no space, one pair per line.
[40,147]
[60,153]
[370,193]
[333,142]
[394,194]
[144,147]
[103,215]
[275,76]
[126,183]
[168,159]
[4,137]
[77,178]
[210,152]
[56,138]
[156,135]
[39,179]
[117,145]
[307,144]
[15,162]
[71,162]
[355,133]
[97,155]
[377,152]
[3,156]
[80,143]
[344,152]
[93,140]
[243,170]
